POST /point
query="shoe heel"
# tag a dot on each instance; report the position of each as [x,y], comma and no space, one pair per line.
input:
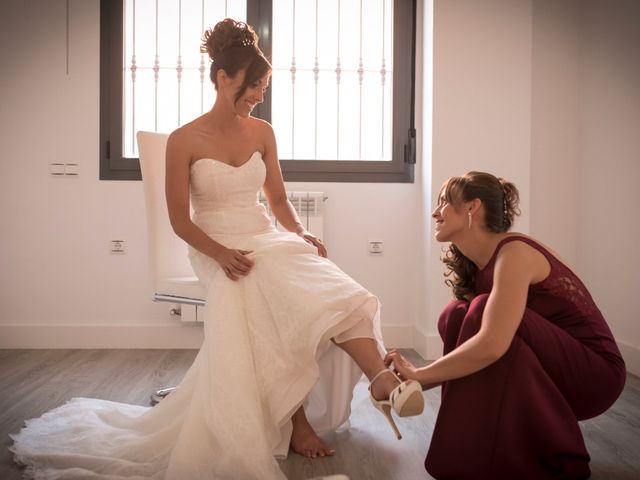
[386,410]
[401,400]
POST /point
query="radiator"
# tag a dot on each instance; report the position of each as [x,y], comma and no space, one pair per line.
[310,209]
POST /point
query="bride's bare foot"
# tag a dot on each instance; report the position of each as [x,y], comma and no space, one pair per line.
[304,439]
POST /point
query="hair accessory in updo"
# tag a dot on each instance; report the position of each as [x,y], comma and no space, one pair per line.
[225,35]
[232,47]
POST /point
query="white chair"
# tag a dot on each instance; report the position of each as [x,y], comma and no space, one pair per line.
[171,277]
[170,273]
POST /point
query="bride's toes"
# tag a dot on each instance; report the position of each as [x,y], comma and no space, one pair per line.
[326,451]
[309,445]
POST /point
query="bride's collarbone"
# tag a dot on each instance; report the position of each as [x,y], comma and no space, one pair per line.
[234,150]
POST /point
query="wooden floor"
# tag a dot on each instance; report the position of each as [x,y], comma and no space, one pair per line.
[34,381]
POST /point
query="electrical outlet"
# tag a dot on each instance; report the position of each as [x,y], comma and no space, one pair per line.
[117,247]
[376,247]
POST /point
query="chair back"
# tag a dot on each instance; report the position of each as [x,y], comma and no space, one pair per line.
[167,252]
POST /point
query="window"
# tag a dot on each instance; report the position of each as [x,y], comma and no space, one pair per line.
[342,90]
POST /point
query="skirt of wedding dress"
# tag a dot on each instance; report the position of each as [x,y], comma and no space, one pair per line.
[267,350]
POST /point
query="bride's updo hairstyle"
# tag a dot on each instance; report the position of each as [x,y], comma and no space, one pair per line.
[233,46]
[500,200]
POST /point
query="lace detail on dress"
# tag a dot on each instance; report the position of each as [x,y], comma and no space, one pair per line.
[563,283]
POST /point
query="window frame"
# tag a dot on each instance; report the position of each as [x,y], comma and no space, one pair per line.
[113,166]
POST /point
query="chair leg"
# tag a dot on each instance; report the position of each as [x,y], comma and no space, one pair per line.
[160,394]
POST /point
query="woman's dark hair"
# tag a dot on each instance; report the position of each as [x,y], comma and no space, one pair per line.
[233,46]
[500,200]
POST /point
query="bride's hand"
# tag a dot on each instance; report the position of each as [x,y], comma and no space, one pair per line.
[403,367]
[315,241]
[234,263]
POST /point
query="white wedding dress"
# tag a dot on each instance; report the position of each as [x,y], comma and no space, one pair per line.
[266,351]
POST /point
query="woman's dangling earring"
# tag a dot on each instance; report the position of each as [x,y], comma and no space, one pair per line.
[470,220]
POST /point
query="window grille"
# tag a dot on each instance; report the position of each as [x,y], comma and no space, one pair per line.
[165,77]
[334,100]
[332,79]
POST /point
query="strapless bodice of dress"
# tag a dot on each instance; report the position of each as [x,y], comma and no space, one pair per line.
[224,198]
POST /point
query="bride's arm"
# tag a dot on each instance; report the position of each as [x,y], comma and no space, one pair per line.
[178,160]
[276,193]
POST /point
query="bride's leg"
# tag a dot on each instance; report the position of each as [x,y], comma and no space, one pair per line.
[387,392]
[364,352]
[304,439]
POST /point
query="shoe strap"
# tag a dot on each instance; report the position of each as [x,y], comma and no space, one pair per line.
[385,370]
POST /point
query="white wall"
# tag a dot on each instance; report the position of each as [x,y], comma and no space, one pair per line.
[481,112]
[609,174]
[555,126]
[541,92]
[586,149]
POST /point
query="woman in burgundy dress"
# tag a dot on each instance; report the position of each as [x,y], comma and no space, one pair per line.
[527,353]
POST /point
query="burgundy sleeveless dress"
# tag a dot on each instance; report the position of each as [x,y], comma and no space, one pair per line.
[518,417]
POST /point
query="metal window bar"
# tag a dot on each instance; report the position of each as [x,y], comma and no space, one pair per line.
[293,83]
[382,78]
[179,61]
[133,80]
[338,71]
[202,68]
[360,74]
[315,81]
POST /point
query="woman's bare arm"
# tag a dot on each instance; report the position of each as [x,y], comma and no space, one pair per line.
[517,265]
[277,195]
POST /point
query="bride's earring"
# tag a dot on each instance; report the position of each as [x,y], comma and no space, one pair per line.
[470,219]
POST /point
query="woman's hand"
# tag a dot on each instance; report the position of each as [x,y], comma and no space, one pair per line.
[315,241]
[234,263]
[403,367]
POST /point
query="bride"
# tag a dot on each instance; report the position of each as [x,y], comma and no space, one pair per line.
[272,372]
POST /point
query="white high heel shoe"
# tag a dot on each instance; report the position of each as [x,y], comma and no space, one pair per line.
[406,399]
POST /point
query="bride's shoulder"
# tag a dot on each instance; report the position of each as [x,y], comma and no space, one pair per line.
[186,131]
[262,133]
[197,125]
[259,126]
[189,133]
[183,141]
[261,130]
